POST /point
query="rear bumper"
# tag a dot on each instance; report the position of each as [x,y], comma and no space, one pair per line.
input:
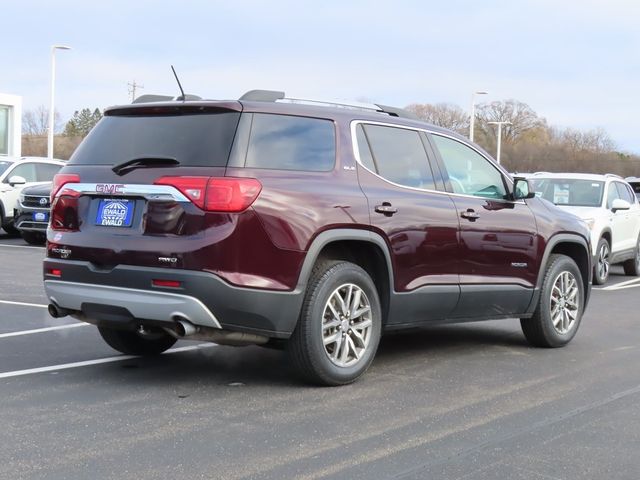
[126,294]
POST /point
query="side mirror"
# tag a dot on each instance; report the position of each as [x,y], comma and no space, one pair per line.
[620,204]
[522,189]
[17,180]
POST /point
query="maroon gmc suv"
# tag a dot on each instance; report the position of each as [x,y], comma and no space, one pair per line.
[302,224]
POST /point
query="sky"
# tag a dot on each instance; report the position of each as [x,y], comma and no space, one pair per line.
[576,63]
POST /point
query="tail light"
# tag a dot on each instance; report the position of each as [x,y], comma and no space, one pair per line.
[64,210]
[216,194]
[60,180]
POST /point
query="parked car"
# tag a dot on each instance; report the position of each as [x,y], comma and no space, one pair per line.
[635,184]
[31,217]
[610,208]
[308,225]
[17,173]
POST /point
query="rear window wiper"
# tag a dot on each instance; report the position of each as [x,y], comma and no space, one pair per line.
[144,162]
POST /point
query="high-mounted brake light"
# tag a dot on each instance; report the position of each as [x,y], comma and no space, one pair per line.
[217,194]
[60,180]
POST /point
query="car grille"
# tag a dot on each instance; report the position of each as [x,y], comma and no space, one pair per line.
[34,201]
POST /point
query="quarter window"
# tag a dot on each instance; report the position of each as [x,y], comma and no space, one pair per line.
[612,194]
[25,170]
[399,155]
[469,172]
[291,143]
[624,193]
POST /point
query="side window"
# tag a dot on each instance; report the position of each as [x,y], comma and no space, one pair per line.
[291,143]
[26,170]
[400,156]
[469,172]
[612,194]
[46,171]
[624,193]
[364,150]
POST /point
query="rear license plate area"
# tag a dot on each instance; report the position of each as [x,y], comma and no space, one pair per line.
[115,212]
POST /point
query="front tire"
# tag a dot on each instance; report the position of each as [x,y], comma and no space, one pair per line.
[34,238]
[632,266]
[339,327]
[602,263]
[129,342]
[560,306]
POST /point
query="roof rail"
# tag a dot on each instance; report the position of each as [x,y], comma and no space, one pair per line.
[278,96]
[262,96]
[613,175]
[398,112]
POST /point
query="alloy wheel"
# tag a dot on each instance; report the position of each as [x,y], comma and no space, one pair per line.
[564,302]
[346,325]
[603,261]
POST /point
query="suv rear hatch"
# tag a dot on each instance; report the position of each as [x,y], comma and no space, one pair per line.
[147,183]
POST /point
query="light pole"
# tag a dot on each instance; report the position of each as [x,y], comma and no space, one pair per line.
[473,112]
[499,136]
[51,105]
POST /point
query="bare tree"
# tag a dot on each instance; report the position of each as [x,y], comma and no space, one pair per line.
[522,117]
[36,121]
[444,115]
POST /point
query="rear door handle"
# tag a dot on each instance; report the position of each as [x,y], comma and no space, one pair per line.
[470,214]
[386,209]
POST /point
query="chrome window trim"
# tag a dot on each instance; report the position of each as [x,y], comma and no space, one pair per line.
[356,154]
[150,192]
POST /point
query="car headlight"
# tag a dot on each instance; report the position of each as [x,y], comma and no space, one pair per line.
[22,198]
[590,222]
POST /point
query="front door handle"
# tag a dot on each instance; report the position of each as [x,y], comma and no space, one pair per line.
[470,214]
[386,209]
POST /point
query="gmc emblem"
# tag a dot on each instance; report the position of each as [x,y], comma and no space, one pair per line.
[110,188]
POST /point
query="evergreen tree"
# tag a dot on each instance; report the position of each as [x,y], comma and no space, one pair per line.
[82,122]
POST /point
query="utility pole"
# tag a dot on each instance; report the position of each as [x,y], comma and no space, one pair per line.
[473,112]
[133,86]
[499,124]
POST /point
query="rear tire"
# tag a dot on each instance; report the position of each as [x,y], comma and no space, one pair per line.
[34,238]
[560,306]
[339,326]
[632,266]
[602,263]
[133,343]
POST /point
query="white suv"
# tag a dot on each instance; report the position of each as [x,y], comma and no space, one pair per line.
[17,173]
[609,206]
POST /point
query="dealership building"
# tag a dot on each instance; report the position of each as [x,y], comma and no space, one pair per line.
[10,125]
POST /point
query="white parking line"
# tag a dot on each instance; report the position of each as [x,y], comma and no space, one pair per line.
[9,302]
[120,358]
[624,284]
[42,330]
[20,246]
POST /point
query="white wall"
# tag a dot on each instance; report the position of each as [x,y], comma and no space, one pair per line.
[14,103]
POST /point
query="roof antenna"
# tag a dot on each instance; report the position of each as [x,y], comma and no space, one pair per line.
[179,85]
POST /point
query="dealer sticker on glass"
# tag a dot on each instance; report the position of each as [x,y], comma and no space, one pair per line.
[115,213]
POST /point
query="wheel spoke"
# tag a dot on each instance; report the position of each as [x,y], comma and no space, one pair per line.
[329,339]
[355,303]
[359,337]
[346,325]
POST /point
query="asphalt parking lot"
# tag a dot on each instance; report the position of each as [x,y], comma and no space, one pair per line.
[465,401]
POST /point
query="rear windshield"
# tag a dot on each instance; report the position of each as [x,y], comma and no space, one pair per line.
[194,140]
[571,192]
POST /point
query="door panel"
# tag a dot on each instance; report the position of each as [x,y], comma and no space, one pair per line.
[419,223]
[497,240]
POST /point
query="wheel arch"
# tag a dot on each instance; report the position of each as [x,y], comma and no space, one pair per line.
[574,247]
[361,247]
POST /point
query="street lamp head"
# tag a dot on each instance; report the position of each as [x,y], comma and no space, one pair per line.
[60,47]
[482,93]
